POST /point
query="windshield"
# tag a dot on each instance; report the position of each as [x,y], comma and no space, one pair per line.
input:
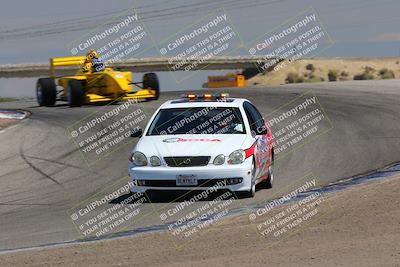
[199,120]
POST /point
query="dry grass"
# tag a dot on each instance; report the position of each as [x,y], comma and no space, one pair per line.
[343,69]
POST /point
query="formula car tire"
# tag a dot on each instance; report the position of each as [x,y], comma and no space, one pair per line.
[46,92]
[150,80]
[76,93]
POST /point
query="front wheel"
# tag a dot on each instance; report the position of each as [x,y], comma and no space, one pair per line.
[150,81]
[267,184]
[46,92]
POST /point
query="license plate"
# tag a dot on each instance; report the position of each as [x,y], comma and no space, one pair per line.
[186,180]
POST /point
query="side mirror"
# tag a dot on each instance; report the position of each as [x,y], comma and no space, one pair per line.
[137,132]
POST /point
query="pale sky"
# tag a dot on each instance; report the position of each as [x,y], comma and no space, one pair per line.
[358,27]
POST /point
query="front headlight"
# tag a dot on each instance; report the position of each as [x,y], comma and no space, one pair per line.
[237,157]
[219,160]
[155,161]
[139,159]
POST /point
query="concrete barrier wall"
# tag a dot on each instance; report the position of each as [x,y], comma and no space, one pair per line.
[136,65]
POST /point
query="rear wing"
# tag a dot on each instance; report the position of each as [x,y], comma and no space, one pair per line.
[65,62]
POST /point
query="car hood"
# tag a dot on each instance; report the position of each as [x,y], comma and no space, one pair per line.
[192,145]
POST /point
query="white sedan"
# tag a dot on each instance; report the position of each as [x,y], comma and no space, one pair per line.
[201,141]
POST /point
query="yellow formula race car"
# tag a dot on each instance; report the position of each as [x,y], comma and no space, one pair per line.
[87,86]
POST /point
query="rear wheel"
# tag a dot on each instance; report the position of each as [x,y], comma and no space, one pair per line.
[46,92]
[76,93]
[150,80]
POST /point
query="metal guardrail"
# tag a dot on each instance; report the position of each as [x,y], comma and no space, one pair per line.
[136,65]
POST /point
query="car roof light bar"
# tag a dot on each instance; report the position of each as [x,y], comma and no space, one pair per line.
[205,96]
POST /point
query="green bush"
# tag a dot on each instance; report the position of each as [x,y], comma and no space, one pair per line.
[310,67]
[333,75]
[366,75]
[363,76]
[386,73]
[344,75]
[294,78]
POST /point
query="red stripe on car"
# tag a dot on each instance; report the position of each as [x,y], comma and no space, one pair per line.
[250,151]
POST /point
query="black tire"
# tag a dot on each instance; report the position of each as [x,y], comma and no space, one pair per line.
[76,93]
[267,184]
[152,196]
[46,92]
[150,80]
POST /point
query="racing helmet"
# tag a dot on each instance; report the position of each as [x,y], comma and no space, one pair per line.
[93,54]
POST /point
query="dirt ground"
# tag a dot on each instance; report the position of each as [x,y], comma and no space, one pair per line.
[359,226]
[348,67]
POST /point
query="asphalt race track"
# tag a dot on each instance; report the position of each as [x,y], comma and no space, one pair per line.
[42,174]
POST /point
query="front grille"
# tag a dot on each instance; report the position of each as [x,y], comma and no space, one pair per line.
[187,161]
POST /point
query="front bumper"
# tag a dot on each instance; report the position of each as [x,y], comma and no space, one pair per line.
[164,178]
